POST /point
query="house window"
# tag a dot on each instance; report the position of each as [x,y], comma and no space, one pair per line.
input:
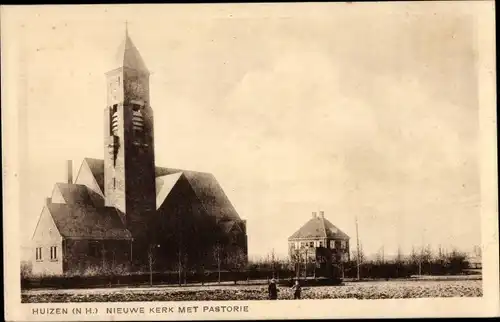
[311,244]
[53,253]
[343,244]
[38,253]
[93,249]
[320,244]
[292,245]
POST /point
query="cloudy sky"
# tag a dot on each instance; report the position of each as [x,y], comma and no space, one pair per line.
[351,109]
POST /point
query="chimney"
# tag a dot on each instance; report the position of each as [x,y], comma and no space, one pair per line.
[322,214]
[314,214]
[70,171]
[48,200]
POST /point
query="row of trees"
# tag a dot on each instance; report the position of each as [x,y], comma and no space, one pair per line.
[419,262]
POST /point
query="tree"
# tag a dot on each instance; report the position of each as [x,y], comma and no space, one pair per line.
[273,262]
[218,252]
[236,259]
[151,260]
[360,260]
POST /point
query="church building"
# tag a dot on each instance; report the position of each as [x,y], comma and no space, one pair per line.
[122,212]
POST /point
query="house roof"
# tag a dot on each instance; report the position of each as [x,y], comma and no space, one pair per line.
[319,227]
[74,193]
[87,221]
[80,217]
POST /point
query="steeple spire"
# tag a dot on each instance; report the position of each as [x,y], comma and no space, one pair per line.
[128,56]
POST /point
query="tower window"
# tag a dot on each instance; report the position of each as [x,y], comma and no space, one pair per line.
[137,122]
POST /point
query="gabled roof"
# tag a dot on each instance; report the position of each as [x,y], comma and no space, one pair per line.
[319,227]
[205,186]
[74,193]
[97,168]
[164,185]
[86,221]
[209,192]
[211,195]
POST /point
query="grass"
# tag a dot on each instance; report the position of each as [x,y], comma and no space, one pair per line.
[358,290]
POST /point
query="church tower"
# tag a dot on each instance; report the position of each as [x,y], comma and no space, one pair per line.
[129,168]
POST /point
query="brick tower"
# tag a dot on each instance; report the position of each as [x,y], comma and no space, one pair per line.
[129,168]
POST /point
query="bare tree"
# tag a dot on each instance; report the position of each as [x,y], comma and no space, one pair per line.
[151,261]
[273,262]
[218,252]
[360,260]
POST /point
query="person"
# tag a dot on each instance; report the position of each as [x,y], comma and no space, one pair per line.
[273,290]
[296,290]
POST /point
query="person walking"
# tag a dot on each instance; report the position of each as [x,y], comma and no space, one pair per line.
[296,290]
[273,290]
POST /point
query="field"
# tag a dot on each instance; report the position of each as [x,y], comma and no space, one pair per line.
[357,290]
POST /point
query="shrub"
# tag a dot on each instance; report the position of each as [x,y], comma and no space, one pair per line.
[26,269]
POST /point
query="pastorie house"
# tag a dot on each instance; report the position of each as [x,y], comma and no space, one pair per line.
[123,212]
[320,243]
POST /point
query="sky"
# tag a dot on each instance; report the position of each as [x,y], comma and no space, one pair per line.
[354,111]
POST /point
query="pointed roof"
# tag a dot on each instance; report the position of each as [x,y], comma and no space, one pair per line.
[86,221]
[205,186]
[96,166]
[164,185]
[128,56]
[207,190]
[74,193]
[319,227]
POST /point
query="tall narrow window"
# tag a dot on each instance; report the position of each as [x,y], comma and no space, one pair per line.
[53,253]
[137,122]
[38,253]
[93,249]
[114,183]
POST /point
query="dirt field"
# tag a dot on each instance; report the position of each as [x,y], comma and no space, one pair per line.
[358,290]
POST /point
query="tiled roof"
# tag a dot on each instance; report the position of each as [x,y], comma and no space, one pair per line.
[204,185]
[75,193]
[208,191]
[97,168]
[86,221]
[319,227]
[211,195]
